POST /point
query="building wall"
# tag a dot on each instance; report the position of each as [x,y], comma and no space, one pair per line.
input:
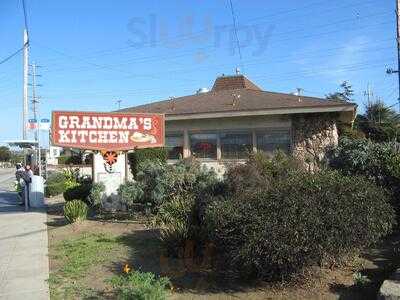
[311,135]
[222,125]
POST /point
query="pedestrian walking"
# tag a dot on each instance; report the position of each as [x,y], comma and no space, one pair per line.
[19,176]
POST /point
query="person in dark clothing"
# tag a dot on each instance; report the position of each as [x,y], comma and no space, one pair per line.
[20,181]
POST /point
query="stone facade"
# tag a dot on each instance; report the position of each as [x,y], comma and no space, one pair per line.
[313,136]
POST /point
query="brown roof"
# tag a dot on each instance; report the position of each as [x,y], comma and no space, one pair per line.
[234,93]
[233,82]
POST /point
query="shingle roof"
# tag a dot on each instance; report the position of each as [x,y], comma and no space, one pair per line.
[233,82]
[234,93]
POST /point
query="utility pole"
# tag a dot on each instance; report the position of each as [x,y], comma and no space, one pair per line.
[35,108]
[25,85]
[398,44]
[369,94]
[391,71]
[119,104]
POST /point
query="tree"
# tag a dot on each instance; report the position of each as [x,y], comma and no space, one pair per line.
[5,153]
[379,122]
[345,94]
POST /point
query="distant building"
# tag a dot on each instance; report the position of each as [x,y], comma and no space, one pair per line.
[53,154]
[236,117]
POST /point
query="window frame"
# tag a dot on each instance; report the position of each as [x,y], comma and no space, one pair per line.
[237,131]
[272,130]
[182,133]
[217,144]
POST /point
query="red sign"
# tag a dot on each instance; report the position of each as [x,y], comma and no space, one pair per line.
[107,131]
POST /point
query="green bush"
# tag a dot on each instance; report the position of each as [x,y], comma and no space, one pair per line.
[69,160]
[295,221]
[54,189]
[131,193]
[55,184]
[142,155]
[75,211]
[157,183]
[79,191]
[178,223]
[141,286]
[258,171]
[180,213]
[379,162]
[95,196]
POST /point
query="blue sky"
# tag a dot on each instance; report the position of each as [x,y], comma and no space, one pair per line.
[94,53]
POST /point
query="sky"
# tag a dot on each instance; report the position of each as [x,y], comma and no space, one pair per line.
[94,53]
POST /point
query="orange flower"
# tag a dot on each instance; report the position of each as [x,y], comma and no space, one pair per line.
[126,269]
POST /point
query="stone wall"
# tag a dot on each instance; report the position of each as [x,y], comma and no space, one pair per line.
[313,136]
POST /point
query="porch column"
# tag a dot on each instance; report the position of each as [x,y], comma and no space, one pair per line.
[254,139]
[186,144]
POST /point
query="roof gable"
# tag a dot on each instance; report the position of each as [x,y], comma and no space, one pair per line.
[237,94]
[233,82]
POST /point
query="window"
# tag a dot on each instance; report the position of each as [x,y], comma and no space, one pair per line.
[236,145]
[203,145]
[174,145]
[271,141]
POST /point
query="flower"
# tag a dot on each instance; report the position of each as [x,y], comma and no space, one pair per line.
[126,269]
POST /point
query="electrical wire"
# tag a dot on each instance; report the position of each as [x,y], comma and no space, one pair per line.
[25,17]
[236,34]
[11,56]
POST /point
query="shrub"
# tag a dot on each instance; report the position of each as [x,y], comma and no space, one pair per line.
[181,212]
[55,184]
[157,183]
[75,211]
[379,162]
[69,160]
[143,155]
[258,171]
[131,193]
[96,195]
[79,191]
[56,177]
[300,220]
[71,177]
[138,285]
[54,189]
[178,223]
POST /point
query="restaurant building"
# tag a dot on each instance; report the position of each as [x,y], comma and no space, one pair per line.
[222,126]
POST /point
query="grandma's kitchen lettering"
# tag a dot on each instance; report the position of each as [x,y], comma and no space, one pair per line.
[111,131]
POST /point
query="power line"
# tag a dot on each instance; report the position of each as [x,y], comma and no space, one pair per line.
[11,56]
[236,34]
[191,36]
[212,47]
[25,17]
[191,52]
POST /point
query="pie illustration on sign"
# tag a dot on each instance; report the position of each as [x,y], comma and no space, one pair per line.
[139,137]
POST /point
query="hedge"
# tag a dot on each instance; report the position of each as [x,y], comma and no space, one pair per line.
[54,189]
[296,219]
[79,192]
[141,155]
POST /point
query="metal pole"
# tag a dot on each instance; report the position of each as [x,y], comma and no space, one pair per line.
[398,44]
[26,196]
[37,117]
[25,86]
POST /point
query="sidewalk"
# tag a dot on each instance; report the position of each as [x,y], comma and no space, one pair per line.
[24,264]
